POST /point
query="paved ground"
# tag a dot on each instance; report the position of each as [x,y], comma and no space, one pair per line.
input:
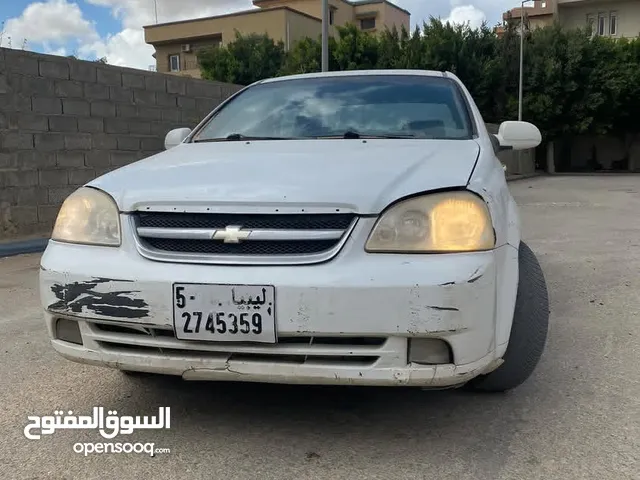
[577,418]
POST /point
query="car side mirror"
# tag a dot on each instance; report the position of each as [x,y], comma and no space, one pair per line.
[176,137]
[518,135]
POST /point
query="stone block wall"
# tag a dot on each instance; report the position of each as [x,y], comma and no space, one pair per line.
[64,122]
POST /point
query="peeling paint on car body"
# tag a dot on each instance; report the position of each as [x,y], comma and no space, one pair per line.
[77,297]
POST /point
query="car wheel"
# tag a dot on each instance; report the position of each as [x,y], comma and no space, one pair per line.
[528,332]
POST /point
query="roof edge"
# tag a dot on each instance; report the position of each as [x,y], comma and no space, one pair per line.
[387,2]
[353,73]
[233,14]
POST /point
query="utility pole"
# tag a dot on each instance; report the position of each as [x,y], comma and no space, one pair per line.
[522,19]
[325,35]
[155,5]
[520,89]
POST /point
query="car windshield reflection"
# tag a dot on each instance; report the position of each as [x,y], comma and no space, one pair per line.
[375,106]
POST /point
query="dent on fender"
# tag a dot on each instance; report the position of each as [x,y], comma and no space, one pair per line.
[74,297]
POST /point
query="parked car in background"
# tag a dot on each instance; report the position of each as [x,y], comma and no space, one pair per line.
[349,228]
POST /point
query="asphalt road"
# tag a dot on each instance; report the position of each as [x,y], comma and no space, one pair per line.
[578,417]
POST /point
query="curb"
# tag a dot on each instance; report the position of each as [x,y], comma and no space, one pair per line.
[21,248]
[514,178]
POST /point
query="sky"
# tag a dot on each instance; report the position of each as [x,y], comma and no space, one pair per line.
[93,29]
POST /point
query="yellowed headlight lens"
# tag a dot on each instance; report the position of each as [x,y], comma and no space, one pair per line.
[88,216]
[460,224]
[441,222]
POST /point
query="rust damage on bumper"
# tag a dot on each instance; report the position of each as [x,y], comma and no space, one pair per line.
[74,298]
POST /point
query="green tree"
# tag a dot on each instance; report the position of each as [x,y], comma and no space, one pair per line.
[244,61]
[306,57]
[573,84]
[390,49]
[355,49]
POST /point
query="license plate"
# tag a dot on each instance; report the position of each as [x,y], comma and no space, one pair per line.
[224,313]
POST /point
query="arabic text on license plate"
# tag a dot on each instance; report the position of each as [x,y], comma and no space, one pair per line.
[224,313]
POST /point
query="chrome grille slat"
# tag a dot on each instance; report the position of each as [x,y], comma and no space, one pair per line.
[256,234]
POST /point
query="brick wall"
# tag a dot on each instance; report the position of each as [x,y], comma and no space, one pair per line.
[64,122]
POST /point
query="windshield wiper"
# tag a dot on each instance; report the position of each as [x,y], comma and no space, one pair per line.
[353,135]
[234,137]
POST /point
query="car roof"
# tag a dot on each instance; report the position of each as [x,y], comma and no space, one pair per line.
[357,73]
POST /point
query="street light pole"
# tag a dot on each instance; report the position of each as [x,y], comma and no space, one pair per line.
[521,58]
[325,35]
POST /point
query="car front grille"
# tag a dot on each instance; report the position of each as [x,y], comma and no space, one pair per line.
[241,238]
[306,349]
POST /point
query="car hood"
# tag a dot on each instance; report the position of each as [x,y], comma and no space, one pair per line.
[360,175]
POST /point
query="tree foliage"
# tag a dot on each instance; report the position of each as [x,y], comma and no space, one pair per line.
[244,61]
[573,84]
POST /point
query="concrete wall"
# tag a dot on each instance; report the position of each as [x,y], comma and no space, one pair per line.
[301,26]
[590,153]
[521,162]
[395,17]
[63,122]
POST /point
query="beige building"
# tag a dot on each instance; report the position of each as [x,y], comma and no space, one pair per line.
[177,43]
[540,14]
[610,18]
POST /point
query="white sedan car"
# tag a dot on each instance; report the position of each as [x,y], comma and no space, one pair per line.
[349,228]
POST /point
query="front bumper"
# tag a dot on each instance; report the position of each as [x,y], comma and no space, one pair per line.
[344,304]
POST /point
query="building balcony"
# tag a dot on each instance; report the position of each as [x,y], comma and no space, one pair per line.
[579,3]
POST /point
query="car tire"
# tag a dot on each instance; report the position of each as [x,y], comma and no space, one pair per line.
[528,331]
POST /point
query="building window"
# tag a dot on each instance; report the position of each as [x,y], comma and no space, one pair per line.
[591,24]
[332,16]
[613,24]
[174,63]
[544,4]
[602,24]
[368,23]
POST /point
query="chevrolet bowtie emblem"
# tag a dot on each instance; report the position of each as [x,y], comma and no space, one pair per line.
[231,234]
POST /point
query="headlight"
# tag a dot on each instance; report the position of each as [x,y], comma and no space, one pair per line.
[434,223]
[90,217]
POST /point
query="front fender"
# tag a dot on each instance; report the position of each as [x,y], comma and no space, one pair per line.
[489,181]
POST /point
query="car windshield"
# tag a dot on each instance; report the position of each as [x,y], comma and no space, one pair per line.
[395,106]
